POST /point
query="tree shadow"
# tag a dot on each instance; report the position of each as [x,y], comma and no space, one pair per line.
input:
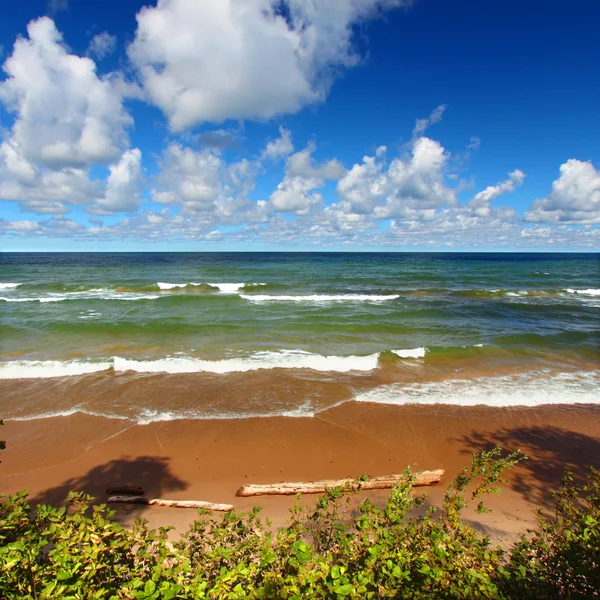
[151,473]
[551,450]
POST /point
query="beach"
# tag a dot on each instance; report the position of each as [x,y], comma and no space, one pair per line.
[192,374]
[210,460]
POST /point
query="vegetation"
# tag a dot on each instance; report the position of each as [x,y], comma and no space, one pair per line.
[334,550]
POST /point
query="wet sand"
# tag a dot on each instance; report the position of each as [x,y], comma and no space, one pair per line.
[210,459]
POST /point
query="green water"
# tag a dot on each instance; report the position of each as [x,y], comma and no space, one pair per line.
[74,314]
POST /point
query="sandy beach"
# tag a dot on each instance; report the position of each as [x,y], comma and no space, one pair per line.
[210,459]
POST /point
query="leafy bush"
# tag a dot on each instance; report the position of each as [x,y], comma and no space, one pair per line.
[333,550]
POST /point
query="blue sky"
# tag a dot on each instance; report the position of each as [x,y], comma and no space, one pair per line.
[306,125]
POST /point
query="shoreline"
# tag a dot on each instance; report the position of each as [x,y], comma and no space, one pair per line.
[210,459]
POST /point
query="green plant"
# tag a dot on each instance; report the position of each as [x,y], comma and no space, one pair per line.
[335,550]
[561,558]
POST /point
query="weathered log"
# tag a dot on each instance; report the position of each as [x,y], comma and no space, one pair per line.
[129,490]
[317,487]
[173,503]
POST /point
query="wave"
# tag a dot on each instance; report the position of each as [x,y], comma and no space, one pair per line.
[94,294]
[534,388]
[42,369]
[224,288]
[76,410]
[321,298]
[147,416]
[410,353]
[281,359]
[9,286]
[589,292]
[519,293]
[172,286]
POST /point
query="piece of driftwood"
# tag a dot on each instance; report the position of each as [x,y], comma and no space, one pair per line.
[173,503]
[128,490]
[317,487]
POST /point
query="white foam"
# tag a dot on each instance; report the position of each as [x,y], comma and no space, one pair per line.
[43,369]
[529,389]
[9,286]
[148,416]
[411,353]
[589,292]
[284,359]
[89,295]
[67,413]
[321,298]
[170,286]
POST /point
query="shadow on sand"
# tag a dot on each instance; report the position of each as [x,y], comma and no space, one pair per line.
[151,473]
[551,452]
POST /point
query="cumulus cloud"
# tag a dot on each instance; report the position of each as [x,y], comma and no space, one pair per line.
[202,184]
[42,190]
[244,59]
[295,194]
[102,45]
[280,147]
[66,115]
[408,184]
[574,198]
[123,185]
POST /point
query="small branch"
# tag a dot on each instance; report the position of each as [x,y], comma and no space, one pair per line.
[173,503]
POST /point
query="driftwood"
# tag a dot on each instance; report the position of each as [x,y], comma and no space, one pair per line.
[173,503]
[129,490]
[317,487]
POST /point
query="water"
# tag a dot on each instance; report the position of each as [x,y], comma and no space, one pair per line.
[255,334]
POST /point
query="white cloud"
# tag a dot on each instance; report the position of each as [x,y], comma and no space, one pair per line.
[244,59]
[303,175]
[575,196]
[42,190]
[26,227]
[102,45]
[408,184]
[203,185]
[363,186]
[480,203]
[280,147]
[123,185]
[422,125]
[66,116]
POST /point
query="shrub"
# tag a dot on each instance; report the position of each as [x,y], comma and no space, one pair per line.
[333,550]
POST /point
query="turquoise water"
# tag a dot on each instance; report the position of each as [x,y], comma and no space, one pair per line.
[395,320]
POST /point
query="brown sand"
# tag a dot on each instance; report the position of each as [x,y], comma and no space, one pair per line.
[209,460]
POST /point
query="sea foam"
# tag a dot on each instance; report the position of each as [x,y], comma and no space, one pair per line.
[321,298]
[527,389]
[29,369]
[283,359]
[280,359]
[589,292]
[9,286]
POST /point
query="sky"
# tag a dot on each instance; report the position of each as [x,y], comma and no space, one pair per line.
[299,125]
